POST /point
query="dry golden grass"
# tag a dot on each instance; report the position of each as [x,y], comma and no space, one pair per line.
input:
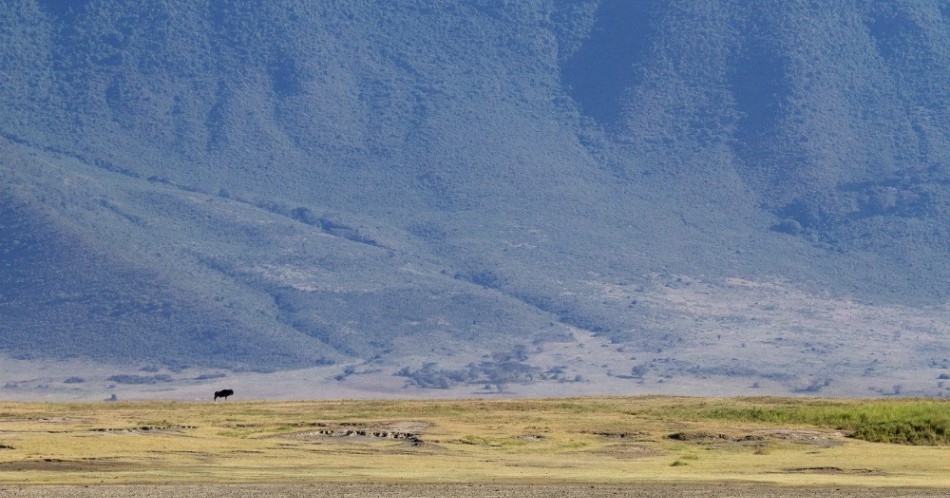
[588,440]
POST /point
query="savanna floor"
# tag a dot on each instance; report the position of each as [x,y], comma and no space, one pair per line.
[592,447]
[463,491]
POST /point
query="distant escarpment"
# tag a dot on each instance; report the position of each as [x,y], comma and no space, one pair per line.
[300,183]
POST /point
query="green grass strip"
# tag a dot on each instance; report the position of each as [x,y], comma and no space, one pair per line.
[906,421]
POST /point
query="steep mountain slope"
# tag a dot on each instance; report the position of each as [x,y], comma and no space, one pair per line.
[833,115]
[300,183]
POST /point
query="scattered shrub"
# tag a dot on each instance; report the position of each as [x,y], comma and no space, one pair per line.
[788,226]
[139,379]
[210,376]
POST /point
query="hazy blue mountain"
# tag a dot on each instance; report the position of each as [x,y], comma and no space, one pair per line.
[270,185]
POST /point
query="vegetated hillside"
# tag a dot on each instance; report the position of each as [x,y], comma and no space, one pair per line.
[278,185]
[833,115]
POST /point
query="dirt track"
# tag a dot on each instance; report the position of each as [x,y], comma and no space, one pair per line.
[458,490]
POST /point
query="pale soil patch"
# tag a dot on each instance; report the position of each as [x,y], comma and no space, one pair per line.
[628,452]
[716,337]
[461,491]
[807,342]
[820,438]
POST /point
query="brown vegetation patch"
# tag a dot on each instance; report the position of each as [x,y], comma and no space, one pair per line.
[700,436]
[820,438]
[58,465]
[407,431]
[143,429]
[44,420]
[628,452]
[541,465]
[632,435]
[832,470]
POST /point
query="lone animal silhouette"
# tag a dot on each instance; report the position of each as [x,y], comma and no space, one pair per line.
[224,393]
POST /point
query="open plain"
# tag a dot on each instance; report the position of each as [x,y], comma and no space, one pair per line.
[635,446]
[465,490]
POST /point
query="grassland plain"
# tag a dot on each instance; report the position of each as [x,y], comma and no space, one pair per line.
[288,447]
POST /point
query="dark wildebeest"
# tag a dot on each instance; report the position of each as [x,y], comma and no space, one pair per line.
[224,393]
